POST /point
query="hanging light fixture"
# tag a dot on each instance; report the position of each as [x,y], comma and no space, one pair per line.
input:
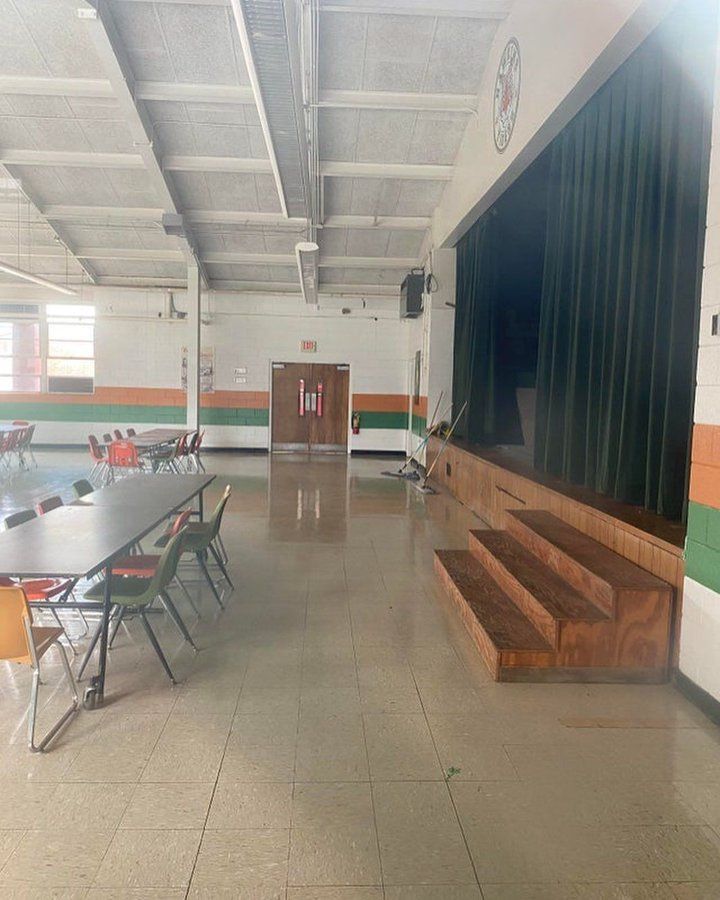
[308,255]
[36,279]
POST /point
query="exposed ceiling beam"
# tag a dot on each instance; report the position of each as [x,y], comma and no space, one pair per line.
[111,214]
[111,51]
[185,92]
[291,287]
[74,159]
[460,103]
[465,9]
[386,170]
[179,92]
[216,164]
[381,223]
[62,213]
[139,281]
[172,163]
[188,2]
[288,259]
[9,173]
[55,87]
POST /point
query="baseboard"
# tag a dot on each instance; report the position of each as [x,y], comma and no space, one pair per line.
[397,453]
[698,696]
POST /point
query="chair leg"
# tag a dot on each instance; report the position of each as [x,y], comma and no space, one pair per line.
[218,560]
[156,647]
[70,711]
[208,577]
[223,551]
[89,652]
[177,618]
[188,596]
[116,626]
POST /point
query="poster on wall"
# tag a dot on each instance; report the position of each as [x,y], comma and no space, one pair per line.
[207,370]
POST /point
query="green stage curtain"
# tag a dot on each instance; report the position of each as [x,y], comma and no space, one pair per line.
[475,331]
[620,295]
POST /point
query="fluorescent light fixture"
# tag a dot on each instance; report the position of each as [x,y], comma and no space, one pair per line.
[308,255]
[36,279]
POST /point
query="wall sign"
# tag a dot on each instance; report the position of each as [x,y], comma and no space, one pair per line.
[308,346]
[207,370]
[507,95]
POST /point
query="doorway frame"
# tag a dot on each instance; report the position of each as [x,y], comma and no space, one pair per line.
[302,358]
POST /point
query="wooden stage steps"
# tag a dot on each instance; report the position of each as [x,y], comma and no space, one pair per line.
[545,602]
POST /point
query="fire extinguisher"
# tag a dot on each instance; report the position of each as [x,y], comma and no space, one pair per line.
[356,423]
[320,394]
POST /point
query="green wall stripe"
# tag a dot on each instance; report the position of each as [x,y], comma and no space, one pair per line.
[418,425]
[116,412]
[702,545]
[397,420]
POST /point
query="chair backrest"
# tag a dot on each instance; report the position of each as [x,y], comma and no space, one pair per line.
[123,454]
[198,443]
[131,432]
[46,506]
[29,434]
[14,611]
[19,518]
[95,451]
[181,447]
[118,435]
[192,443]
[107,438]
[82,487]
[20,422]
[180,522]
[218,512]
[167,564]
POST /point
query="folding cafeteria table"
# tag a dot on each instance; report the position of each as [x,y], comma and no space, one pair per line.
[84,538]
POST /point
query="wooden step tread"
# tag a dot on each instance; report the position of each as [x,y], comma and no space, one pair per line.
[596,558]
[502,621]
[559,598]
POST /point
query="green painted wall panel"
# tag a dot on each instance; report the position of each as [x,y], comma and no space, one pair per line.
[419,424]
[702,546]
[396,420]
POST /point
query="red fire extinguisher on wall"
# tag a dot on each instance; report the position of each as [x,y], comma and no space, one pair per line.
[356,423]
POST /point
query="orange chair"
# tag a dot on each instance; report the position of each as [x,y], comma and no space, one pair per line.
[24,643]
[123,455]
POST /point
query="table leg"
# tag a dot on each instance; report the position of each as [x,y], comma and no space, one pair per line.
[95,693]
[201,505]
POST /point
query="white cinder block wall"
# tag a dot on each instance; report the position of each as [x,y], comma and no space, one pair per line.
[139,352]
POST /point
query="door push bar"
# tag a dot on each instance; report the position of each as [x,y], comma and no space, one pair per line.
[310,402]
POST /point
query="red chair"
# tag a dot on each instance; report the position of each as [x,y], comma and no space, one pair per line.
[199,467]
[123,455]
[97,456]
[20,422]
[46,506]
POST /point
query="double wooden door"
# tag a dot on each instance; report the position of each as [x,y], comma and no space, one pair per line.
[310,407]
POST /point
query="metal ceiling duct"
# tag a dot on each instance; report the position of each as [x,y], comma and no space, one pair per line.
[269,34]
[308,257]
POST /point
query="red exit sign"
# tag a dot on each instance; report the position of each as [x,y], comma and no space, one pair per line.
[308,346]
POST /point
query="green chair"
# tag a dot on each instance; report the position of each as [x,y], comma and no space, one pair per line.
[200,539]
[133,596]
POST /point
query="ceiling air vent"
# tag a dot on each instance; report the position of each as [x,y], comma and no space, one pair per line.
[269,35]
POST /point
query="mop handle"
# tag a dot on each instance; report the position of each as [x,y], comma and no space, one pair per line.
[445,442]
[426,439]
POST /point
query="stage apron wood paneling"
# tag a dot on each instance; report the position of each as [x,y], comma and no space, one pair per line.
[489,490]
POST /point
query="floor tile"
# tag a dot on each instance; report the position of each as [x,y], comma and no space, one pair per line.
[189,749]
[149,859]
[44,858]
[420,839]
[333,839]
[331,748]
[251,805]
[168,806]
[400,748]
[242,859]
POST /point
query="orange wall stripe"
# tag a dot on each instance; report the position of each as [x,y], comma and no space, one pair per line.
[420,408]
[135,396]
[380,402]
[706,445]
[705,485]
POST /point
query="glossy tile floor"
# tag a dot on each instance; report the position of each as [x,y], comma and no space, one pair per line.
[336,737]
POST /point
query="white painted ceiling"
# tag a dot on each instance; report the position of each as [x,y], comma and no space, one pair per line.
[396,87]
